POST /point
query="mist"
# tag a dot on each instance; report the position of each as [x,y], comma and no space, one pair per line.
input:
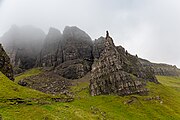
[150,29]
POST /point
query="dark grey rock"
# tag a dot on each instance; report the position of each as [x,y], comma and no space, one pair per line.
[108,76]
[5,66]
[49,55]
[161,69]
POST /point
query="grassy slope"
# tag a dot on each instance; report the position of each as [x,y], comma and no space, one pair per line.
[9,89]
[28,73]
[99,107]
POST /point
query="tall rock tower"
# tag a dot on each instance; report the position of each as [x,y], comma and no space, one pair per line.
[108,76]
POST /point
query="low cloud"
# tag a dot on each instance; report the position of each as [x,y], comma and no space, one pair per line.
[148,28]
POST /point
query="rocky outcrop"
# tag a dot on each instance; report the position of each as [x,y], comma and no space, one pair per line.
[98,47]
[108,76]
[23,44]
[52,45]
[76,44]
[73,69]
[131,64]
[47,82]
[161,69]
[5,66]
[70,54]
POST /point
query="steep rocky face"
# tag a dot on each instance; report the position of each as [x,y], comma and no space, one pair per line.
[76,53]
[74,69]
[5,66]
[108,76]
[161,69]
[70,53]
[49,53]
[98,47]
[23,44]
[76,44]
[131,64]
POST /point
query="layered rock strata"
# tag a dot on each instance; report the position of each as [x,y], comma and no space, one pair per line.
[108,76]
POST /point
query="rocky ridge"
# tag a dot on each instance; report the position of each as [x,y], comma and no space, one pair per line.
[161,69]
[70,55]
[109,77]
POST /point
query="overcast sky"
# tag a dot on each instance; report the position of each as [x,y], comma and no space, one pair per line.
[149,28]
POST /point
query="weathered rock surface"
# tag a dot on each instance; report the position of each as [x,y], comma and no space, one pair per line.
[47,82]
[98,47]
[74,69]
[161,69]
[23,44]
[108,76]
[133,65]
[70,53]
[76,44]
[5,66]
[52,45]
[130,64]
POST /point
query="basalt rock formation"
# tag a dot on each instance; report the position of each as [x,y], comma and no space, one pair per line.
[131,64]
[161,69]
[5,66]
[47,82]
[49,53]
[98,47]
[23,44]
[109,77]
[70,53]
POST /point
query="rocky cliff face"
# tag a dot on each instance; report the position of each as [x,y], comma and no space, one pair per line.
[23,44]
[98,47]
[49,53]
[70,54]
[161,69]
[131,64]
[108,76]
[5,66]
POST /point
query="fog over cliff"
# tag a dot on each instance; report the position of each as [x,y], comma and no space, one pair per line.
[149,28]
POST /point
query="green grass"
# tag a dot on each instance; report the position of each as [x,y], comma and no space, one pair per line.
[10,89]
[31,72]
[173,82]
[99,107]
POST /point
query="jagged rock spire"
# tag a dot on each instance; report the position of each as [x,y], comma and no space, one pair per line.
[108,76]
[107,34]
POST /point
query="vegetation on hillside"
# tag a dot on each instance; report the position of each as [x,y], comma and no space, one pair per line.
[162,102]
